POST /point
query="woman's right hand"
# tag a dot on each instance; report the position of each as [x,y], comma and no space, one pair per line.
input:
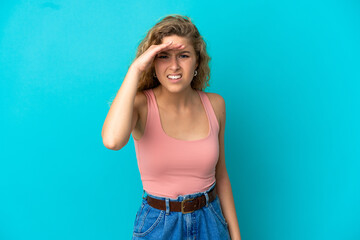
[144,61]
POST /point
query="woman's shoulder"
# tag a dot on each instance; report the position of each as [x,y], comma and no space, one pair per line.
[218,104]
[216,99]
[140,97]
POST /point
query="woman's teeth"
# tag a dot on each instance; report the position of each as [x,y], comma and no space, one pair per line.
[174,76]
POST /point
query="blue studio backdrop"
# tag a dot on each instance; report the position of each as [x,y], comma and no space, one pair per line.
[289,72]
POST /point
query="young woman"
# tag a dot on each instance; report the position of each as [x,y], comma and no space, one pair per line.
[178,132]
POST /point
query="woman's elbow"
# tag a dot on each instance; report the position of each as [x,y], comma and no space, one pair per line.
[113,145]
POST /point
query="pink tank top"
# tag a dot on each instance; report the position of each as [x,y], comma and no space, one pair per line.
[170,167]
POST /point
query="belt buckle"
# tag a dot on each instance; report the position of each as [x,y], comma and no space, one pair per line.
[182,205]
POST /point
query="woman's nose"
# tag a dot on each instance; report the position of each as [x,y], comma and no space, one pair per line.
[174,64]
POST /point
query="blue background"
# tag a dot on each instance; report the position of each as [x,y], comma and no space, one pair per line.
[289,72]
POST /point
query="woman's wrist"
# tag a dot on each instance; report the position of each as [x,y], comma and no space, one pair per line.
[135,69]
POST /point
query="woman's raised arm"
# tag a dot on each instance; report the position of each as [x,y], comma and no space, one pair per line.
[123,114]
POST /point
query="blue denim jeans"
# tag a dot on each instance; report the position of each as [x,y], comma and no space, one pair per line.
[207,223]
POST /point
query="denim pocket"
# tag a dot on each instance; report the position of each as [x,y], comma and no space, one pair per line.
[215,207]
[139,211]
[147,219]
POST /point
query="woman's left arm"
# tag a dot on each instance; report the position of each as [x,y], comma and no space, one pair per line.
[223,185]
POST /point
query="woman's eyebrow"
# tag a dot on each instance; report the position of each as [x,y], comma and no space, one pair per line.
[165,52]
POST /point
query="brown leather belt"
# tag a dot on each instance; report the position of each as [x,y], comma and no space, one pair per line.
[185,206]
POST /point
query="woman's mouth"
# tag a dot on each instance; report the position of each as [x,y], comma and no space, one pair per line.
[174,77]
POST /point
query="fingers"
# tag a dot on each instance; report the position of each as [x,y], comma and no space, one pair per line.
[168,46]
[172,45]
[155,49]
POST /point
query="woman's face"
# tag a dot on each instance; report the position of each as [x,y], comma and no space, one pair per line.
[175,68]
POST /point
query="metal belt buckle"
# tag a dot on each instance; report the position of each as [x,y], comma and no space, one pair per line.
[182,205]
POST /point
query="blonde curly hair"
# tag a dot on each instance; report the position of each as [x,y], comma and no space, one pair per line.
[181,26]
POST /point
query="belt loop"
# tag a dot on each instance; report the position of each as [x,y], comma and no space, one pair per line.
[143,195]
[207,198]
[167,206]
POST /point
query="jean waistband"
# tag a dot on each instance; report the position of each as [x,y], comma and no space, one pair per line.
[181,197]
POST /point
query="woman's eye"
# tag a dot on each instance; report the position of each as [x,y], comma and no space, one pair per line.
[165,56]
